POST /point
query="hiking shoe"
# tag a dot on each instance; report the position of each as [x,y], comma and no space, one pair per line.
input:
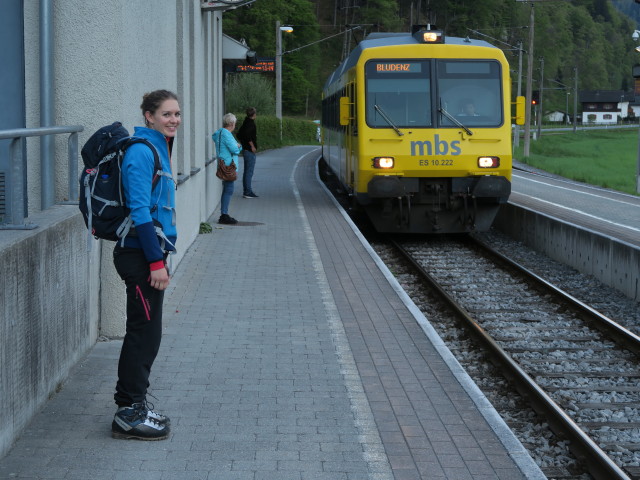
[157,416]
[250,195]
[133,423]
[227,220]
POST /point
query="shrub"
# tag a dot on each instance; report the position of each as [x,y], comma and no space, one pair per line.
[245,90]
[205,227]
[294,131]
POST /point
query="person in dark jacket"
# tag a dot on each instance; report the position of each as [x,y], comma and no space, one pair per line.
[248,138]
[141,263]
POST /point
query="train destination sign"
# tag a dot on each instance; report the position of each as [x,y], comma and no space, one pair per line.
[398,67]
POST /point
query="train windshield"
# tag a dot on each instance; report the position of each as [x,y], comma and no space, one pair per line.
[470,91]
[399,90]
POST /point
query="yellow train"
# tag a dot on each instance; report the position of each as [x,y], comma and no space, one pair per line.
[417,127]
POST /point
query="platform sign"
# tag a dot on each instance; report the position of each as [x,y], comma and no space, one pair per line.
[262,65]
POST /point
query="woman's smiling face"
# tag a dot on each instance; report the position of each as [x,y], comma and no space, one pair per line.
[166,119]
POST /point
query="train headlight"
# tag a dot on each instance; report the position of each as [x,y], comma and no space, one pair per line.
[488,162]
[383,162]
[432,37]
[424,34]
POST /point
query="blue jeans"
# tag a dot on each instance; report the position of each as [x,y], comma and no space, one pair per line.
[247,174]
[227,192]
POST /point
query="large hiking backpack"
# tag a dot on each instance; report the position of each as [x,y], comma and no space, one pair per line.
[102,201]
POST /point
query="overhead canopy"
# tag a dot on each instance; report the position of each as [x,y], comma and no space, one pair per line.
[234,51]
[224,5]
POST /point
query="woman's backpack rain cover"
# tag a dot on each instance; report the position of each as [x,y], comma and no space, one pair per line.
[102,200]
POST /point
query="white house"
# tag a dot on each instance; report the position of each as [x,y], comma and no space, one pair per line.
[604,106]
[555,116]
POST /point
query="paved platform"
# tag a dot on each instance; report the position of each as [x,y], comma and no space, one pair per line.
[288,352]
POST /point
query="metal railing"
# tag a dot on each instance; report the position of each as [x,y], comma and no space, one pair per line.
[16,210]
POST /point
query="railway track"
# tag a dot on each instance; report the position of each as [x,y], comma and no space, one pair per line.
[576,367]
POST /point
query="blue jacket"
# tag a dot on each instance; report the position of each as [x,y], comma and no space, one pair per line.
[226,146]
[146,205]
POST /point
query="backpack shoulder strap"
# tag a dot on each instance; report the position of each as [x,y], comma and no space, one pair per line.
[157,166]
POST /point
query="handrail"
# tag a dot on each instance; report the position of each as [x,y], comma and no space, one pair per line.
[15,201]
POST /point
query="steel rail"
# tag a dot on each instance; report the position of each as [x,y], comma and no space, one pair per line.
[583,447]
[603,323]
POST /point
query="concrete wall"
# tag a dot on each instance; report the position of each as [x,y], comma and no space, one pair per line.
[614,263]
[49,287]
[56,298]
[106,56]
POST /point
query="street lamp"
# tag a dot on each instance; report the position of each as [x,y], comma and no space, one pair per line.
[636,37]
[280,53]
[279,30]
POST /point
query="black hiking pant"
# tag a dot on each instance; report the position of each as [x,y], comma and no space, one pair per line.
[144,326]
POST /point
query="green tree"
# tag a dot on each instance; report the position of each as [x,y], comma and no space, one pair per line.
[257,25]
[592,35]
[382,14]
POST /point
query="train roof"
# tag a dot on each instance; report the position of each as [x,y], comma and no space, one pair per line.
[386,39]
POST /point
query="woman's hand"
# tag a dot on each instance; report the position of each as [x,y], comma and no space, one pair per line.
[159,279]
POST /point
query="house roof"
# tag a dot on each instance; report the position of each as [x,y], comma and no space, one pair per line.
[605,96]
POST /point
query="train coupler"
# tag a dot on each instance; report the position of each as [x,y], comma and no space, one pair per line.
[404,218]
[468,216]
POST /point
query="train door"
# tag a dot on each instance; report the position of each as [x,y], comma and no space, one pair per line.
[348,124]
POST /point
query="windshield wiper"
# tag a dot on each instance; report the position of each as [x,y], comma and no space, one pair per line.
[387,119]
[453,119]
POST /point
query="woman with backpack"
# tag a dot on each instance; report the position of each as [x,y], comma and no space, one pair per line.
[140,260]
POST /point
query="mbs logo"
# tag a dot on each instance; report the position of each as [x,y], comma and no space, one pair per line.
[435,147]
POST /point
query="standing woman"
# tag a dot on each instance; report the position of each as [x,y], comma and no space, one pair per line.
[228,149]
[140,260]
